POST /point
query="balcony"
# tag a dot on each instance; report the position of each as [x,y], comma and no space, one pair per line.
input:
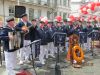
[37,3]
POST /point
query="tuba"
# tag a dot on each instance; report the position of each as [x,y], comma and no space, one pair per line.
[16,41]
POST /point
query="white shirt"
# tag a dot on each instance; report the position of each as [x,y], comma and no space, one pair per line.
[25,23]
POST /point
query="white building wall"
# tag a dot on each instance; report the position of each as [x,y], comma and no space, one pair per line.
[63,9]
[35,12]
[60,8]
[1,8]
[35,1]
[44,0]
[44,12]
[75,6]
[6,11]
[74,9]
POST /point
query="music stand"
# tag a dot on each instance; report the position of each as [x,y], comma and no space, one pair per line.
[94,37]
[37,46]
[59,40]
[82,38]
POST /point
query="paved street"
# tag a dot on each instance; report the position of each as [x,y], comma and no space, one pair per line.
[91,67]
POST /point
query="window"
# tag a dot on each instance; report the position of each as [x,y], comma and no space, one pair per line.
[48,14]
[64,2]
[64,15]
[31,1]
[55,3]
[27,1]
[68,3]
[59,13]
[39,1]
[39,13]
[31,14]
[60,2]
[11,11]
[48,2]
[55,14]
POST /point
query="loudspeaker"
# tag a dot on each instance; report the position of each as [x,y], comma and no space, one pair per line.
[19,10]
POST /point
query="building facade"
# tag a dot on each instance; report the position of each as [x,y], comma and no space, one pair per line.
[75,6]
[36,8]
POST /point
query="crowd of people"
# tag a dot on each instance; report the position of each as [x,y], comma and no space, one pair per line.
[34,30]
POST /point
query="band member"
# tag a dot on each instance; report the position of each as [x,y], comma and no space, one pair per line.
[46,31]
[82,35]
[95,26]
[43,36]
[50,39]
[54,29]
[1,29]
[85,37]
[23,26]
[59,28]
[10,54]
[65,26]
[66,30]
[78,27]
[71,27]
[89,30]
[1,32]
[33,32]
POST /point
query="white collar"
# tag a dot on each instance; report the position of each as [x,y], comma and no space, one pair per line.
[24,22]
